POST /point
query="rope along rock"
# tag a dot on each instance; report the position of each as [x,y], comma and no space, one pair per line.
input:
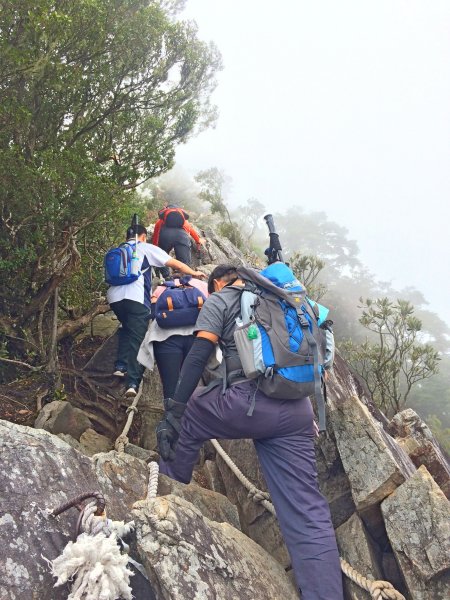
[123,440]
[378,589]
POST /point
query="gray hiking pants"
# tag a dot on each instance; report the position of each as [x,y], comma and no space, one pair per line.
[282,431]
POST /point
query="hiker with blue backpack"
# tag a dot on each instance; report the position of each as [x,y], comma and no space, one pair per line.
[128,271]
[277,346]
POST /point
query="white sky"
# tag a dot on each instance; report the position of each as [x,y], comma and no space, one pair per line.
[341,106]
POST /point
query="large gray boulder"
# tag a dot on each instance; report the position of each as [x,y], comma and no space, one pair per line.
[214,506]
[417,519]
[189,557]
[39,472]
[61,417]
[374,464]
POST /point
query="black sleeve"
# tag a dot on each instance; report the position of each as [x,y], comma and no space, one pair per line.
[192,369]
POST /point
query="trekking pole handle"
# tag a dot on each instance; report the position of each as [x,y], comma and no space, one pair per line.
[270,224]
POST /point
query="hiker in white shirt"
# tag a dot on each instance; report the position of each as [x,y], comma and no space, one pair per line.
[131,304]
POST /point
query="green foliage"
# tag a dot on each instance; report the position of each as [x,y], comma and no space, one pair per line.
[173,187]
[307,269]
[396,360]
[212,183]
[94,97]
[231,231]
[60,394]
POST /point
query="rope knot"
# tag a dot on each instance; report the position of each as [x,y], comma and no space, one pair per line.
[132,409]
[257,495]
[384,589]
[120,443]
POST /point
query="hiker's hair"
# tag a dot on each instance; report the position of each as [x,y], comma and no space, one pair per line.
[139,230]
[225,272]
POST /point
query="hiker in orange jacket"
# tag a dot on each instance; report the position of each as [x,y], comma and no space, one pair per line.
[172,231]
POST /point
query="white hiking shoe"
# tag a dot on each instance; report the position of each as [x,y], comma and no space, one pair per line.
[131,392]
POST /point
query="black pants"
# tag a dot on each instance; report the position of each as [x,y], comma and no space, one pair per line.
[134,318]
[169,357]
[174,238]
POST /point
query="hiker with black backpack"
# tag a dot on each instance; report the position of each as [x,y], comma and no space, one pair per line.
[173,231]
[283,354]
[128,271]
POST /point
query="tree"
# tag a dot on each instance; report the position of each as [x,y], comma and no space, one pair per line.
[250,214]
[212,185]
[393,363]
[313,234]
[94,97]
[173,187]
[307,269]
[212,188]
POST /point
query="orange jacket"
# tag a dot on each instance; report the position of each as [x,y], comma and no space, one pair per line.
[187,226]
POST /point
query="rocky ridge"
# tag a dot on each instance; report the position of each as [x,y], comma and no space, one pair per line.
[386,484]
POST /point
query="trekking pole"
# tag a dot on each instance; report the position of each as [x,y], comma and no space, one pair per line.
[274,251]
[134,256]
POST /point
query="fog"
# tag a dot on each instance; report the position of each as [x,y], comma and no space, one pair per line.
[341,107]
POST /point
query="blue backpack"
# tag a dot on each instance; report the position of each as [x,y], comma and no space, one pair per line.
[178,305]
[279,337]
[120,265]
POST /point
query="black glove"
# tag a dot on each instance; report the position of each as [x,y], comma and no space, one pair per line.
[168,429]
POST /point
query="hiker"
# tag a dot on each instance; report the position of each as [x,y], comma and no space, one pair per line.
[283,432]
[131,304]
[169,345]
[172,231]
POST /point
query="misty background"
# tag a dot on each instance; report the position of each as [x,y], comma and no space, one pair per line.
[342,108]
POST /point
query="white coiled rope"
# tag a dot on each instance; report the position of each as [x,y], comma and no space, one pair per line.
[94,562]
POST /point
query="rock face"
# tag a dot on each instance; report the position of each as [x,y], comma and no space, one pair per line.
[392,520]
[333,480]
[416,439]
[40,472]
[361,442]
[214,506]
[257,523]
[185,551]
[62,417]
[360,551]
[417,518]
[215,559]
